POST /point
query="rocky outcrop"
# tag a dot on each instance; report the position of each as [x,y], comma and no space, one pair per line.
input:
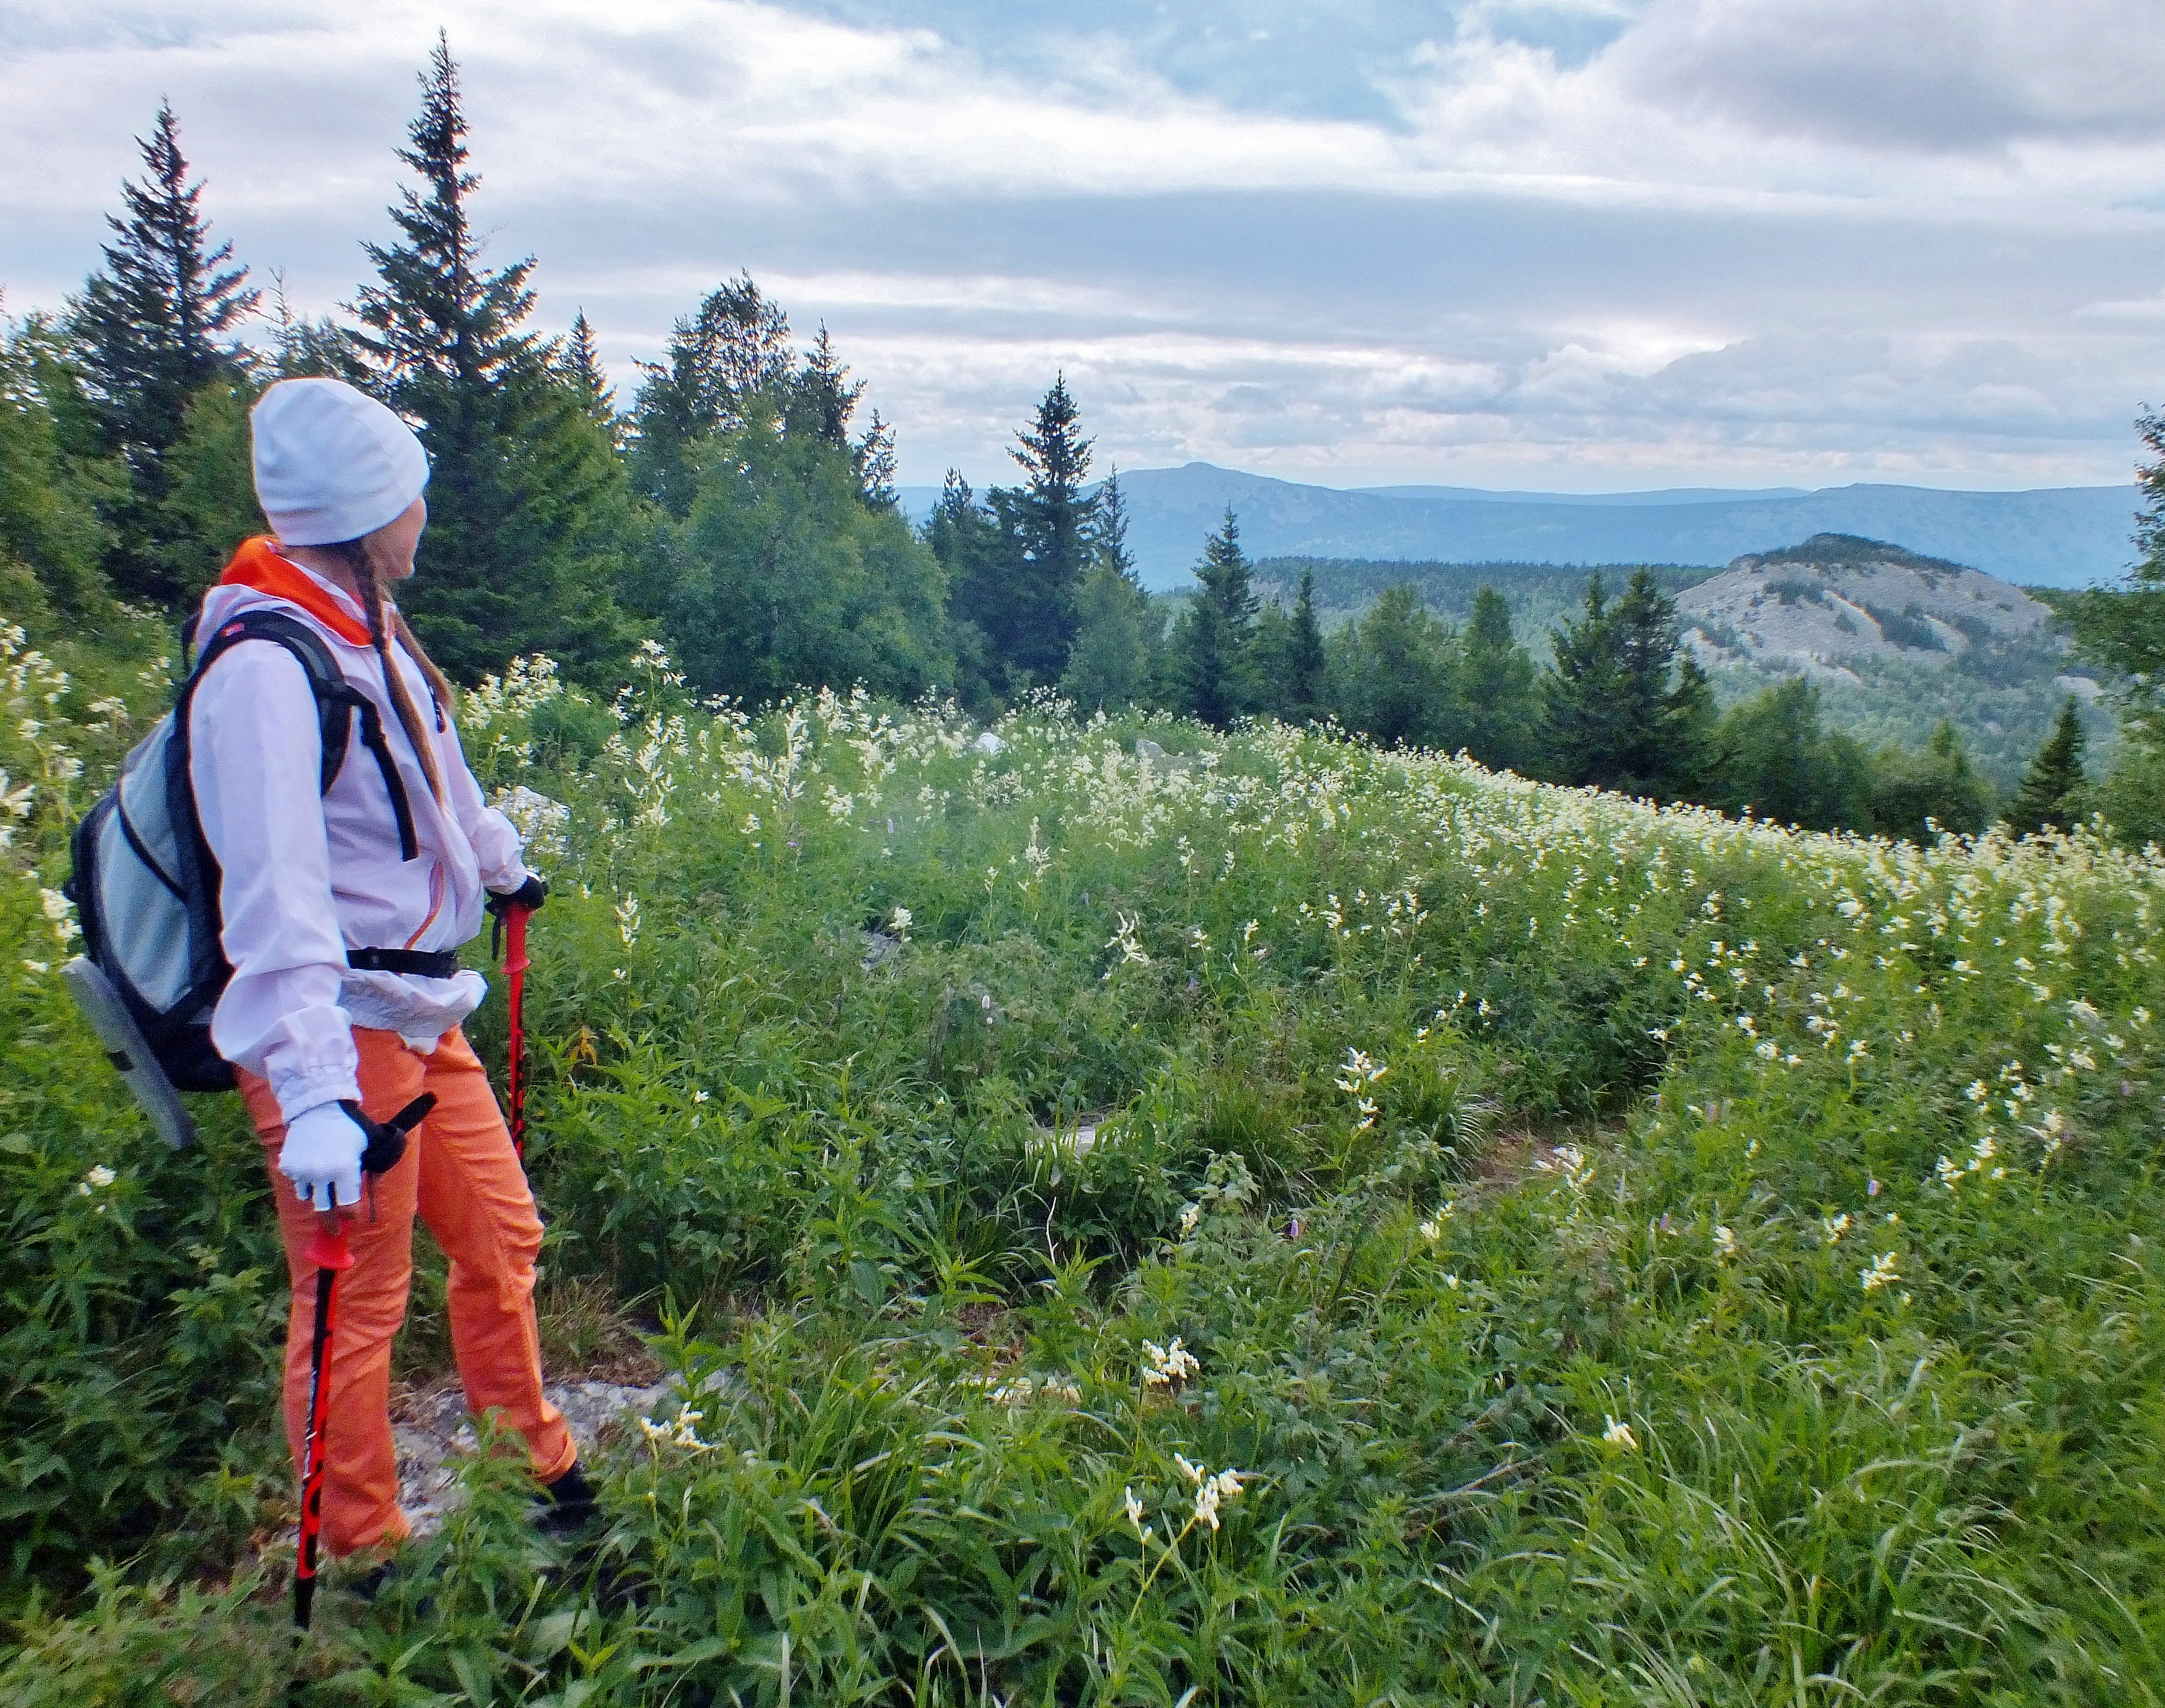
[1835,600]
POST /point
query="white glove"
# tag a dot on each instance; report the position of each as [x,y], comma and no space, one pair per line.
[322,1155]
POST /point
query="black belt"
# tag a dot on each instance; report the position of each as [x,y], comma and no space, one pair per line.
[421,963]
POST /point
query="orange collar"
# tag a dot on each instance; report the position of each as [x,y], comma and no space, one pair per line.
[258,564]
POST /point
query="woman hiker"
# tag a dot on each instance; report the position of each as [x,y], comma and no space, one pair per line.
[341,912]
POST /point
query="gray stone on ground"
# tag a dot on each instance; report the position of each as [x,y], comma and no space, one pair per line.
[427,1429]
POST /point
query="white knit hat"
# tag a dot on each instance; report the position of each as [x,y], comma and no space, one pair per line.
[332,463]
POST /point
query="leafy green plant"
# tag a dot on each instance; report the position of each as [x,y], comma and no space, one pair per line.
[1614,1249]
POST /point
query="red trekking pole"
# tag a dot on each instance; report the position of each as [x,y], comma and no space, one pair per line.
[515,964]
[331,1255]
[328,1252]
[512,910]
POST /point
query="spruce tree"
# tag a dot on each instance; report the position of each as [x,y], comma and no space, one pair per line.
[1211,643]
[1620,711]
[1306,690]
[874,454]
[733,349]
[531,522]
[1398,667]
[1024,598]
[155,327]
[966,540]
[1046,531]
[1664,722]
[441,327]
[1057,522]
[1580,692]
[1114,661]
[579,366]
[1108,533]
[823,397]
[2050,797]
[1496,688]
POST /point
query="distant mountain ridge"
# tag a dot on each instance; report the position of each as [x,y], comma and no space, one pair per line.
[2060,536]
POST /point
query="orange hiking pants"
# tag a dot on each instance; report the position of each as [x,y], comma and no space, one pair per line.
[461,1175]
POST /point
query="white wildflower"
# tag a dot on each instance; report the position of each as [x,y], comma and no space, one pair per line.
[1169,1363]
[1881,1272]
[1358,1072]
[1618,1434]
[60,911]
[1123,939]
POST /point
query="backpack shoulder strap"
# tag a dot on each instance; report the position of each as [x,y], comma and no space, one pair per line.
[337,701]
[335,695]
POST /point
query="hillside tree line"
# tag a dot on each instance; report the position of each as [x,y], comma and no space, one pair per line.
[741,507]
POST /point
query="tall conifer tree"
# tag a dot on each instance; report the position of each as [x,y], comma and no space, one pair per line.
[1211,643]
[155,327]
[579,366]
[2050,797]
[530,517]
[1619,709]
[877,470]
[1024,600]
[1108,531]
[734,348]
[1496,687]
[1307,688]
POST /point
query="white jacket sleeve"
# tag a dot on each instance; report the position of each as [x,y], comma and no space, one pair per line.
[496,841]
[255,757]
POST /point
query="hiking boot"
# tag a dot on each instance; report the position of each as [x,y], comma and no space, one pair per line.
[567,1506]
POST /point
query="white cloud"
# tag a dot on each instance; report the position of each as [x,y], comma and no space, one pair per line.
[1747,239]
[1903,74]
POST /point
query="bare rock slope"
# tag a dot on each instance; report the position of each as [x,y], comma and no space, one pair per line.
[1819,606]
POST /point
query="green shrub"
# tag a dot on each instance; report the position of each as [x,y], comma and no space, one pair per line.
[1625,1253]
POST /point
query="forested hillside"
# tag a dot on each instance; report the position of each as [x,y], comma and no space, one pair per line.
[2067,537]
[739,509]
[1541,595]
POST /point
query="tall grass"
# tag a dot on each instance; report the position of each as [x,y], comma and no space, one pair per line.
[1625,1255]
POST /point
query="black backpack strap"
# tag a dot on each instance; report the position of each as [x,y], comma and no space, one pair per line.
[337,701]
[372,738]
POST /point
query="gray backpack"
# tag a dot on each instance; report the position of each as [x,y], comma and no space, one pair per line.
[146,882]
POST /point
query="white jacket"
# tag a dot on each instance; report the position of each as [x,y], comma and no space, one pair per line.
[306,877]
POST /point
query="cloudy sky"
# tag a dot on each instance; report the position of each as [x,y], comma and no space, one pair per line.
[1583,245]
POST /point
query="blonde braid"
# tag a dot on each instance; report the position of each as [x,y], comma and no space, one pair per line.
[439,687]
[373,604]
